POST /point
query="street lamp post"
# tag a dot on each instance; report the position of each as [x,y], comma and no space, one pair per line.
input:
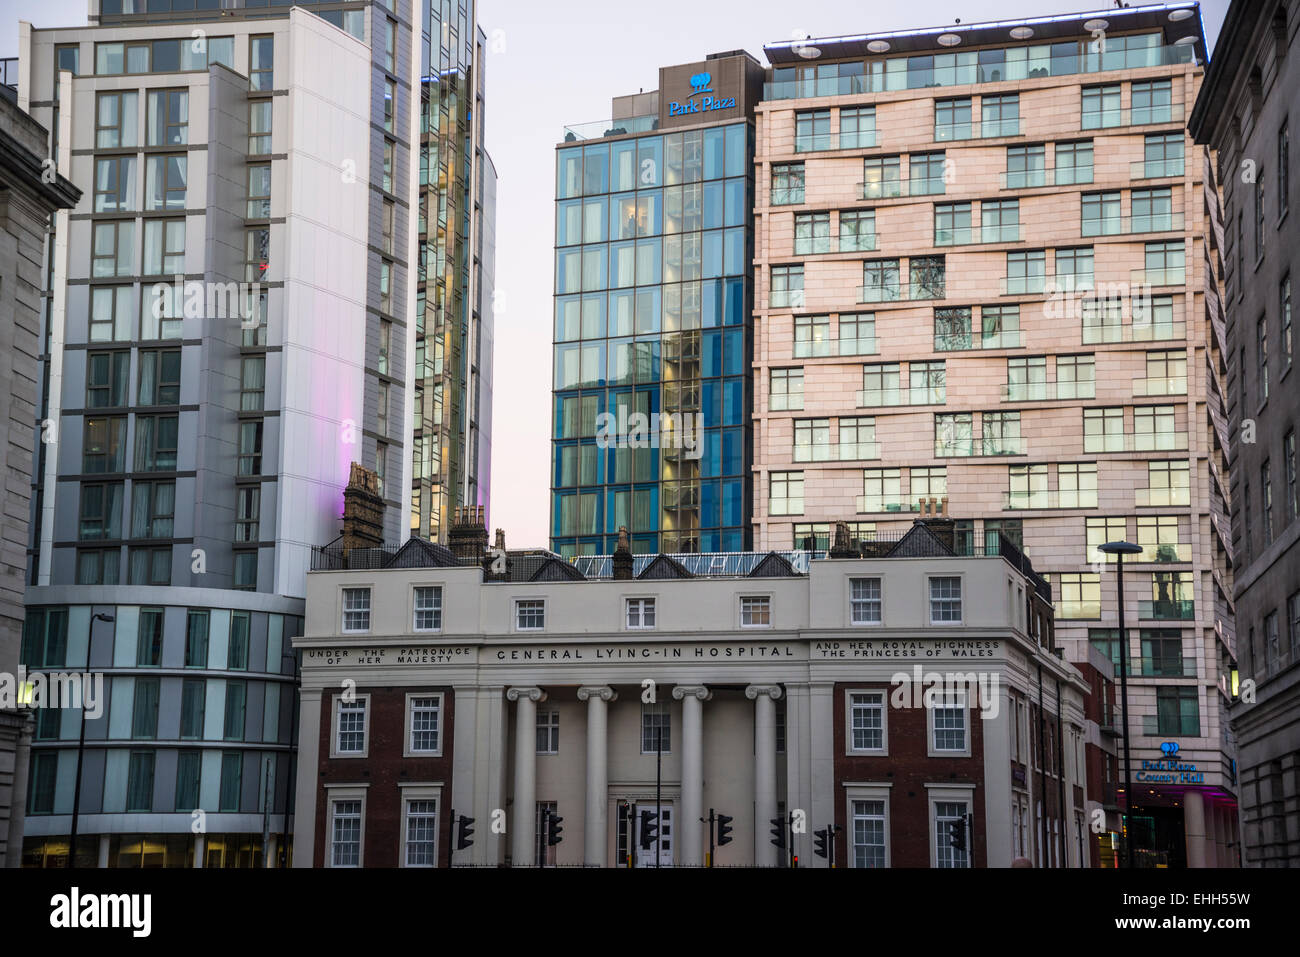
[81,745]
[1119,550]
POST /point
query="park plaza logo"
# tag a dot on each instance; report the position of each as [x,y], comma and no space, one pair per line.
[698,101]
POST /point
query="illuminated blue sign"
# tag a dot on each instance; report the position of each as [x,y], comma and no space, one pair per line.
[1169,770]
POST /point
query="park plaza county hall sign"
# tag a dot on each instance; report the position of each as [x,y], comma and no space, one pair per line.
[597,652]
[1169,770]
[702,99]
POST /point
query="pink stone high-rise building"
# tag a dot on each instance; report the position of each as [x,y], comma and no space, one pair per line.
[987,273]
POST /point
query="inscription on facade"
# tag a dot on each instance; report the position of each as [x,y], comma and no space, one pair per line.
[906,649]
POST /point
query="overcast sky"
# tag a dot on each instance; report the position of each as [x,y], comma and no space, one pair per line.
[557,63]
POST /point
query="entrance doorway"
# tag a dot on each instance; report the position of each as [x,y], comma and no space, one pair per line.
[646,857]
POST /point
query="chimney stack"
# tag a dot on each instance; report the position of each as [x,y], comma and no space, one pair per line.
[622,559]
[467,537]
[363,510]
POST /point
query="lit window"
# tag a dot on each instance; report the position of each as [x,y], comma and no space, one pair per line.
[756,611]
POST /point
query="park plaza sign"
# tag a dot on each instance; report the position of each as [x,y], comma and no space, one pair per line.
[699,102]
[1169,770]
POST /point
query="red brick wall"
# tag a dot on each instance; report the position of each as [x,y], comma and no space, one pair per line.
[384,769]
[908,768]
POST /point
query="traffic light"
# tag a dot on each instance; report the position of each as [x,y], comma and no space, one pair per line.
[957,834]
[649,830]
[820,840]
[724,829]
[778,832]
[553,829]
[464,829]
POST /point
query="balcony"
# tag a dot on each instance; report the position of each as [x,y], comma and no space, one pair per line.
[1022,285]
[1135,116]
[962,341]
[810,85]
[1171,222]
[1164,668]
[858,451]
[826,142]
[1078,608]
[899,188]
[1161,497]
[860,346]
[878,504]
[1048,391]
[895,291]
[1140,331]
[977,235]
[785,299]
[989,445]
[977,130]
[813,348]
[1166,609]
[921,395]
[813,452]
[820,245]
[1057,176]
[1175,726]
[1136,442]
[1156,169]
[1160,385]
[1168,276]
[599,129]
[1164,552]
[1016,500]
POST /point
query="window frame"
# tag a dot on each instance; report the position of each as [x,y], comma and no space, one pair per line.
[962,704]
[343,608]
[742,605]
[409,711]
[850,747]
[335,795]
[336,710]
[855,794]
[642,603]
[517,606]
[854,622]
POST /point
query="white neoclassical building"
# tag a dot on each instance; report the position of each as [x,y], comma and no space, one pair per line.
[620,692]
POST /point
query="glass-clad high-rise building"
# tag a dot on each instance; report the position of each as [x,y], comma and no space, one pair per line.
[452,385]
[653,340]
[230,324]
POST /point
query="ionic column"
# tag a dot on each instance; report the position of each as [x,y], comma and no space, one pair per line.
[689,835]
[764,698]
[525,816]
[596,830]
